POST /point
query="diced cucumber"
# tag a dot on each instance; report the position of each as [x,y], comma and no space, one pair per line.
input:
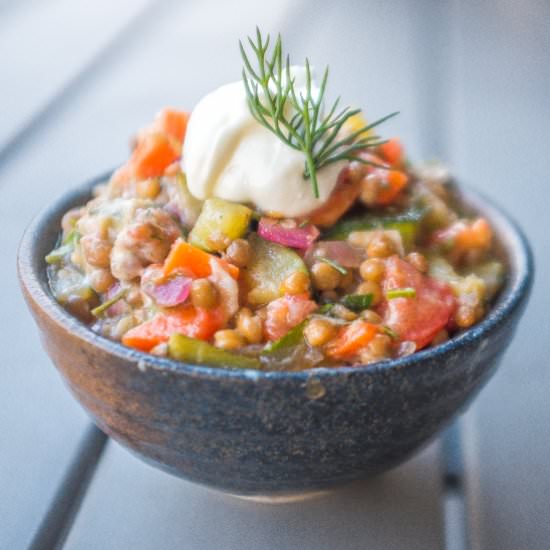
[408,224]
[219,223]
[191,350]
[269,266]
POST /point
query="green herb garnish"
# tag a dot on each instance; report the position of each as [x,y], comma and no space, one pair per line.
[296,117]
[293,337]
[69,242]
[341,269]
[100,309]
[325,309]
[401,293]
[357,302]
[391,333]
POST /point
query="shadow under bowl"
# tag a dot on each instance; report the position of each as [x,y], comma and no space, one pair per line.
[271,433]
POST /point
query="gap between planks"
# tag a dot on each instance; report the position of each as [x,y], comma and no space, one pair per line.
[59,518]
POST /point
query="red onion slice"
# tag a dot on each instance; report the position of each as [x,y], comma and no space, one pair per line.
[294,237]
[172,292]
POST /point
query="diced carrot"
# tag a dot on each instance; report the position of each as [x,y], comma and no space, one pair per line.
[340,201]
[154,152]
[395,181]
[351,339]
[194,260]
[172,122]
[476,235]
[188,320]
[392,151]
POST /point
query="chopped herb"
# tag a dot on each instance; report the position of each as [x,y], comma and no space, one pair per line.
[72,237]
[357,302]
[325,308]
[292,338]
[341,269]
[401,293]
[100,309]
[303,224]
[57,255]
[391,333]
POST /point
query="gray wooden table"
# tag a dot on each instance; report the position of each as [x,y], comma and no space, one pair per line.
[472,81]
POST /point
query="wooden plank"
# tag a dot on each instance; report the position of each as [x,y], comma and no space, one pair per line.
[131,505]
[44,46]
[499,130]
[39,421]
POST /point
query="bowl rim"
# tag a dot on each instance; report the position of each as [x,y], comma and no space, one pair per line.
[514,296]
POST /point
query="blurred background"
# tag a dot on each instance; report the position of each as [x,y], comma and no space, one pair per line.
[472,82]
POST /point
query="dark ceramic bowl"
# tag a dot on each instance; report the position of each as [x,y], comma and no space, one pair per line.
[268,433]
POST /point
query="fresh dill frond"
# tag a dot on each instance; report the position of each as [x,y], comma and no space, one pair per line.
[296,117]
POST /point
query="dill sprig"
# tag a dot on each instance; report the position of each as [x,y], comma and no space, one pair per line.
[295,117]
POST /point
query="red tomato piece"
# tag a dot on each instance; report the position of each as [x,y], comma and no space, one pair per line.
[420,318]
[285,313]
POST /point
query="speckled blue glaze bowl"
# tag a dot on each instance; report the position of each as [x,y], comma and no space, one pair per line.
[271,433]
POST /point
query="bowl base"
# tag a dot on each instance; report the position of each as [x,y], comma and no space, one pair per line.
[282,498]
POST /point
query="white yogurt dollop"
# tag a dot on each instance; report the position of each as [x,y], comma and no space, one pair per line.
[228,154]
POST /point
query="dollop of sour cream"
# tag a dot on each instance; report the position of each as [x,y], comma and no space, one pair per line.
[228,154]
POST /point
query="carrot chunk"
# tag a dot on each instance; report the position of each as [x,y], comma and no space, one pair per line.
[172,123]
[394,182]
[194,260]
[154,152]
[351,339]
[392,151]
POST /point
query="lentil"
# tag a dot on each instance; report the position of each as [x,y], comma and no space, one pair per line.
[228,339]
[372,270]
[370,287]
[325,277]
[297,283]
[319,331]
[204,294]
[238,252]
[250,326]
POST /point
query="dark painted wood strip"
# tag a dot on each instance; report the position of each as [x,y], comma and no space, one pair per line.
[56,523]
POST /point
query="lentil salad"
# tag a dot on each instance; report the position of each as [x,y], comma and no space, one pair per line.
[388,263]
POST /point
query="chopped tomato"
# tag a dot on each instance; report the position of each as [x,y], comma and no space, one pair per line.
[188,320]
[392,151]
[421,317]
[285,313]
[340,201]
[172,123]
[154,152]
[195,261]
[351,339]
